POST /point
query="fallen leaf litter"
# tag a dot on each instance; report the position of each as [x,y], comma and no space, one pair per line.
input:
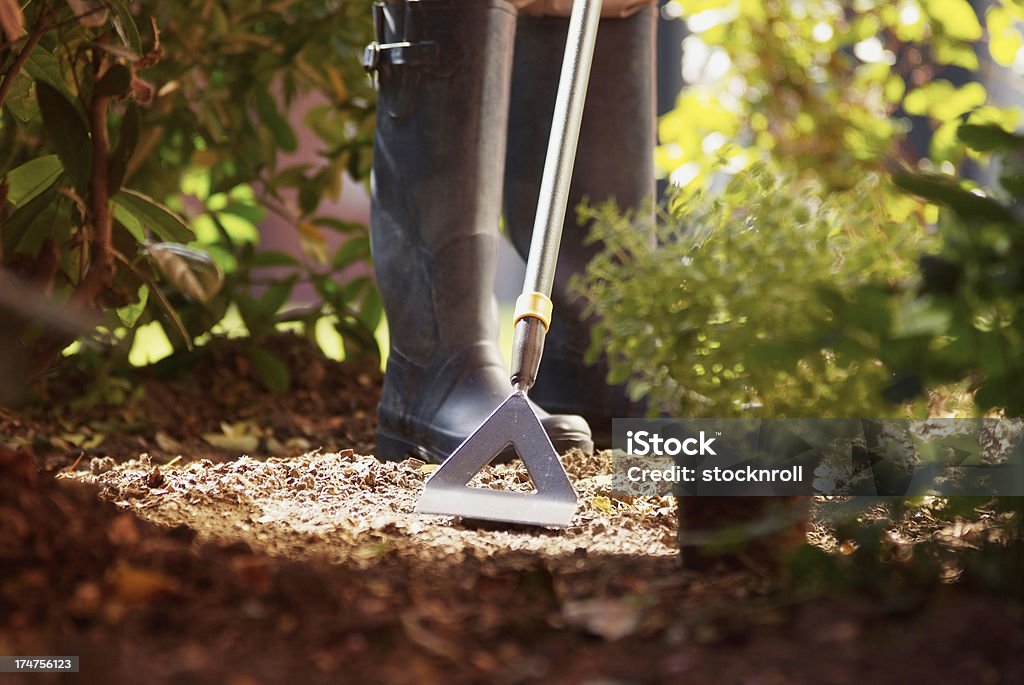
[350,508]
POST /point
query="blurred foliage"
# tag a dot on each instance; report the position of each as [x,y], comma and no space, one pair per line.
[733,311]
[822,280]
[966,312]
[901,551]
[144,142]
[822,87]
[812,262]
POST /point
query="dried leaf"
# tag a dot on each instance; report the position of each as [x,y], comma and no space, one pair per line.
[190,271]
[167,443]
[12,21]
[125,53]
[612,619]
[313,242]
[239,437]
[137,584]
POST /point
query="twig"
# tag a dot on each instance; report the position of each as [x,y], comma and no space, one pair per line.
[71,468]
[101,267]
[30,44]
[45,270]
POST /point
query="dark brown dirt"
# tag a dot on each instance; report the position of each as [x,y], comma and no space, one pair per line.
[207,404]
[193,565]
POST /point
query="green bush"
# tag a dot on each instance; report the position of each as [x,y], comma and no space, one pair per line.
[733,312]
[967,312]
[823,88]
[110,109]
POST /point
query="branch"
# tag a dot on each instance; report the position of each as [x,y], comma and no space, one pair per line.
[30,44]
[101,266]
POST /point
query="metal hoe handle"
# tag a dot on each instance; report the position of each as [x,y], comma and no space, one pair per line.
[531,325]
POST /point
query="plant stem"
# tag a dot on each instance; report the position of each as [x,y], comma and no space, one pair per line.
[101,266]
[19,62]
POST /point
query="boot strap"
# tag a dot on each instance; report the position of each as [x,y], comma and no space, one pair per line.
[398,54]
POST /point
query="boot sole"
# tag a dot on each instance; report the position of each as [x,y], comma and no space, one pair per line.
[393,447]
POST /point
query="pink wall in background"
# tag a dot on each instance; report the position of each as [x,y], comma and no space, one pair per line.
[277,233]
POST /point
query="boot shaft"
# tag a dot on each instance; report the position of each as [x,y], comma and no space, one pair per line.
[443,68]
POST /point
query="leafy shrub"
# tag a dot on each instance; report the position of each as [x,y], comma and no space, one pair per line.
[966,320]
[830,89]
[109,108]
[734,310]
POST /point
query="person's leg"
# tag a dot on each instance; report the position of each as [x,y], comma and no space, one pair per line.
[443,68]
[614,161]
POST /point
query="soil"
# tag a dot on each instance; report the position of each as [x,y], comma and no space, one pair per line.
[276,549]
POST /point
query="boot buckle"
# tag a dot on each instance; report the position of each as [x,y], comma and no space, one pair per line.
[398,54]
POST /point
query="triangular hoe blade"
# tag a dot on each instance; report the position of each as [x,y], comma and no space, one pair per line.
[514,422]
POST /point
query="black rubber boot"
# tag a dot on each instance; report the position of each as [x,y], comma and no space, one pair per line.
[614,161]
[443,68]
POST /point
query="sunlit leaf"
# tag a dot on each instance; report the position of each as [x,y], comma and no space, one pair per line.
[31,178]
[153,216]
[129,314]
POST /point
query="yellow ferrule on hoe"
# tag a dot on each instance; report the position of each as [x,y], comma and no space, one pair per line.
[537,305]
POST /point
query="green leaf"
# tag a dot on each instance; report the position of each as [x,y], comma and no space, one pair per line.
[122,154]
[989,137]
[919,317]
[129,314]
[357,340]
[21,100]
[115,82]
[129,222]
[51,221]
[43,67]
[32,178]
[272,118]
[372,310]
[66,130]
[946,190]
[352,250]
[260,314]
[13,230]
[956,17]
[252,213]
[944,101]
[955,54]
[344,227]
[276,296]
[154,216]
[270,370]
[272,258]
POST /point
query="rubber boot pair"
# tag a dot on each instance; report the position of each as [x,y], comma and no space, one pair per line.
[444,69]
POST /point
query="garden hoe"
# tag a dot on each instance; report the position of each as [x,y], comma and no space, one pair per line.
[514,422]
